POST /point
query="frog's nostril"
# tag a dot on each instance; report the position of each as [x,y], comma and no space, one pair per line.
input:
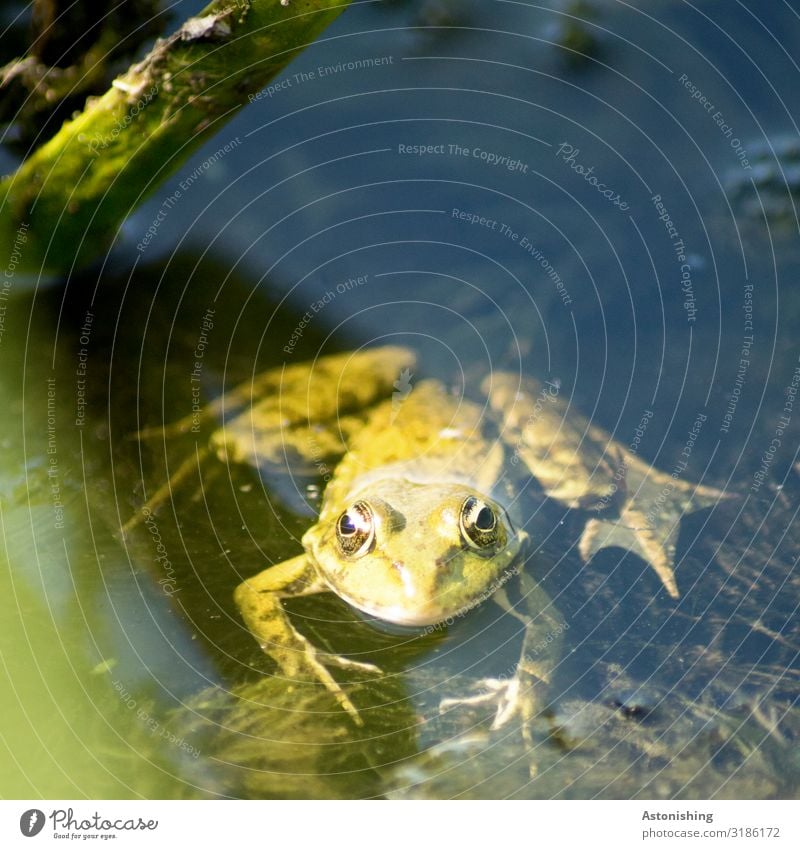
[399,565]
[447,558]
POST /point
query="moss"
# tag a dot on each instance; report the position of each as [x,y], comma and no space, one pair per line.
[76,190]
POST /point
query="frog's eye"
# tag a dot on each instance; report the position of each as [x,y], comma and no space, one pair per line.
[479,525]
[355,529]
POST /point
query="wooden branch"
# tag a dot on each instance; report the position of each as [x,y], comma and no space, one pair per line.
[73,193]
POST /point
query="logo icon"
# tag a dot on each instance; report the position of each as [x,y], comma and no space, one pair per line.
[31,822]
[402,387]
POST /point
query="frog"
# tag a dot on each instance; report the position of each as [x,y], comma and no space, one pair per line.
[422,518]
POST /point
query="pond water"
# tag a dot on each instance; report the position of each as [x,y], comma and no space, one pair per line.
[609,204]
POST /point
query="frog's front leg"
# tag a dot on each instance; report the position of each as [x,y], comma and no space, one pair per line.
[524,692]
[259,601]
[521,692]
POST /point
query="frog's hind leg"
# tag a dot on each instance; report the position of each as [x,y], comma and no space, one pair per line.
[573,461]
[647,520]
[633,532]
[303,416]
[636,507]
[287,422]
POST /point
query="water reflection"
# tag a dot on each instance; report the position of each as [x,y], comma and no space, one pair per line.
[132,672]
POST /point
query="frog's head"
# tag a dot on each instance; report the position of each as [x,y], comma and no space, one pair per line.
[413,553]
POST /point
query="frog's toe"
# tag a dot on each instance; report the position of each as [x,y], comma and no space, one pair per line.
[322,674]
[487,695]
[346,704]
[347,663]
[499,693]
[632,533]
[511,701]
[508,705]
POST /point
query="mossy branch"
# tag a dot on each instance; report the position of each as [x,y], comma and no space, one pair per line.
[71,196]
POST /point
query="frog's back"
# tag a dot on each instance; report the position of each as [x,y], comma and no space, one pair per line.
[426,435]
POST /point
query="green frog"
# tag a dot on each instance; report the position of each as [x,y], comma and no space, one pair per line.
[423,516]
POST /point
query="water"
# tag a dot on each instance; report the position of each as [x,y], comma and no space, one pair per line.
[663,288]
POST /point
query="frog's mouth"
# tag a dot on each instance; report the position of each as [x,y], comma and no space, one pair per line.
[394,620]
[394,614]
[397,615]
[425,617]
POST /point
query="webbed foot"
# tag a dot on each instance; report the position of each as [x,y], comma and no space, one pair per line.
[503,694]
[314,665]
[259,600]
[512,701]
[346,663]
[493,691]
[632,532]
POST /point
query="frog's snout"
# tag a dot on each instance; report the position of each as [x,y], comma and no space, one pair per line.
[410,587]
